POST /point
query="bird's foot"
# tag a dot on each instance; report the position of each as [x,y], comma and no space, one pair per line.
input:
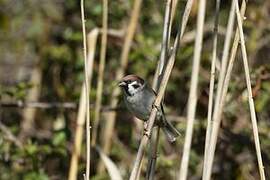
[156,107]
[146,133]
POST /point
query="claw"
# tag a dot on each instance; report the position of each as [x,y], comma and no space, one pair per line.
[155,106]
[146,133]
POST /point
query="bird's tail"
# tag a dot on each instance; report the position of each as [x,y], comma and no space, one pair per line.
[170,131]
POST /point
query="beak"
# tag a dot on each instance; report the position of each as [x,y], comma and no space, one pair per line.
[122,84]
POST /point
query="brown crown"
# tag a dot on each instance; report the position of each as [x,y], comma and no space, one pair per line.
[133,77]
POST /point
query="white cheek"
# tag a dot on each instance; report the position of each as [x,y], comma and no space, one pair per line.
[131,89]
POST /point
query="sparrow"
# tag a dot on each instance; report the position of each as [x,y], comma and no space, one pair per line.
[139,98]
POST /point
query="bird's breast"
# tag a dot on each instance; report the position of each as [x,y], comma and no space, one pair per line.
[140,105]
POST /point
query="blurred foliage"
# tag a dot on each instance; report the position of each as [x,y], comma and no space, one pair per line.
[47,35]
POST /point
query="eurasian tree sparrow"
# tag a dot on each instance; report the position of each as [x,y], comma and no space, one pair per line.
[139,98]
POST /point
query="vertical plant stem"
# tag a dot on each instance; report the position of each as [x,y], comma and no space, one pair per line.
[87,105]
[218,111]
[224,62]
[101,71]
[91,42]
[164,81]
[150,122]
[152,159]
[212,80]
[174,6]
[165,40]
[185,18]
[109,124]
[250,98]
[192,101]
[158,76]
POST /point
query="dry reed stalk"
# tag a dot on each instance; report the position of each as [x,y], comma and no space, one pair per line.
[101,71]
[224,62]
[107,133]
[212,80]
[87,104]
[91,42]
[250,98]
[218,111]
[165,37]
[192,101]
[150,173]
[144,140]
[185,18]
[172,14]
[139,171]
[174,6]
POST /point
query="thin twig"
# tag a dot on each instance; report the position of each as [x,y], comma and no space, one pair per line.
[157,79]
[91,42]
[87,176]
[173,12]
[218,111]
[101,71]
[165,40]
[212,80]
[109,125]
[41,105]
[152,159]
[250,98]
[165,79]
[224,62]
[192,101]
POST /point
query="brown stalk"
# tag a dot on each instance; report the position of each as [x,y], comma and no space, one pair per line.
[101,71]
[250,98]
[109,124]
[218,111]
[158,75]
[87,103]
[212,80]
[164,81]
[224,62]
[192,101]
[91,41]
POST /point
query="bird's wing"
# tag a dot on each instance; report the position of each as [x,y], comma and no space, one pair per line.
[161,105]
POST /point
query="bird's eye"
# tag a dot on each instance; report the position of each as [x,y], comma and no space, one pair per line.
[135,86]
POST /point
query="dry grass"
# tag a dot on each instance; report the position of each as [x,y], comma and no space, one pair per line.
[100,71]
[192,100]
[150,172]
[218,109]
[212,81]
[164,82]
[107,132]
[91,42]
[163,71]
[87,104]
[250,97]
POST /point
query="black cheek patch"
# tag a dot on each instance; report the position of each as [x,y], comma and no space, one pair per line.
[126,90]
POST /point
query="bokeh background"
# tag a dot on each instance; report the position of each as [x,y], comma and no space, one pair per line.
[41,60]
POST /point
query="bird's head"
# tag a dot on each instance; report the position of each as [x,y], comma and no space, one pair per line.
[131,84]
